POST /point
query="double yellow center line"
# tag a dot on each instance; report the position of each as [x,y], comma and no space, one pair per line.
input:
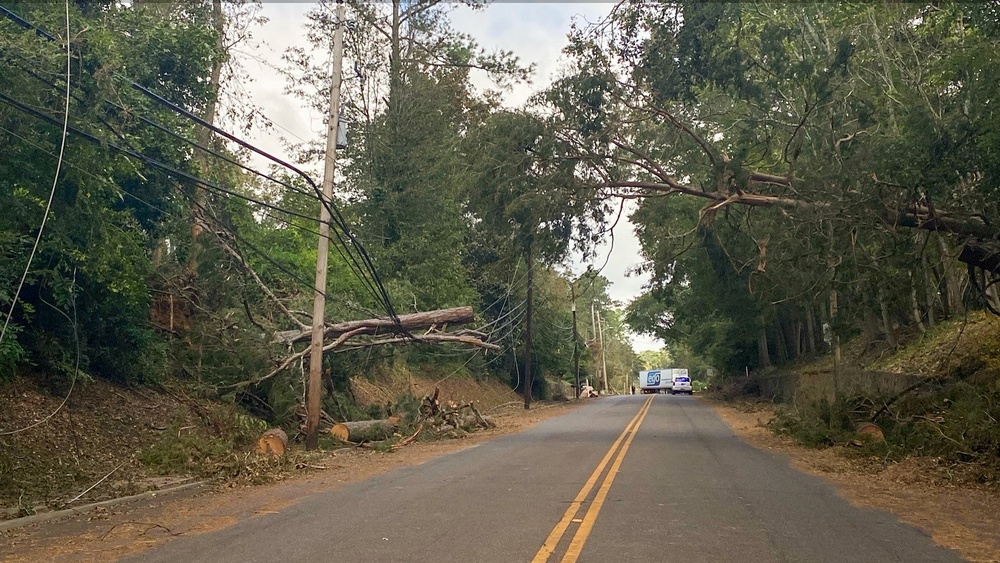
[587,523]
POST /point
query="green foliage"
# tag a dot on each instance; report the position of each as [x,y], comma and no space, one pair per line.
[789,137]
[203,449]
[94,260]
[955,422]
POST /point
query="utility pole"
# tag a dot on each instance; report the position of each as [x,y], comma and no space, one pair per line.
[322,252]
[604,359]
[596,341]
[528,322]
[576,341]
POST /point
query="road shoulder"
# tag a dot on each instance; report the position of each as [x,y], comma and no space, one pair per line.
[964,518]
[113,532]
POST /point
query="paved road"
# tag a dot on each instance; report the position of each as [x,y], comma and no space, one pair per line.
[636,478]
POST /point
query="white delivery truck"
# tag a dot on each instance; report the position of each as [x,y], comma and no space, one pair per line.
[656,380]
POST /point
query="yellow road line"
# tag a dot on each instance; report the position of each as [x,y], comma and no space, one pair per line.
[557,533]
[576,546]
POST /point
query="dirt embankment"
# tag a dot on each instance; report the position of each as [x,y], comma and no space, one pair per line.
[100,430]
[965,518]
[128,529]
[107,441]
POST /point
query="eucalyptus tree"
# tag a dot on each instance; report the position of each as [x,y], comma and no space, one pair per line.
[525,196]
[409,99]
[89,283]
[817,135]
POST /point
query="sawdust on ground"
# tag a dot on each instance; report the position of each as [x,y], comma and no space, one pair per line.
[964,518]
[114,532]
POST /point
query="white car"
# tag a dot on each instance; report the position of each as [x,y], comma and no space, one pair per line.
[682,384]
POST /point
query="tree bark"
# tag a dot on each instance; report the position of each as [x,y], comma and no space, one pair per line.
[810,329]
[886,323]
[204,137]
[836,343]
[363,430]
[763,356]
[915,304]
[930,292]
[437,318]
[273,442]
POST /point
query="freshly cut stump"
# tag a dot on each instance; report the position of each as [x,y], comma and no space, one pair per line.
[871,431]
[273,442]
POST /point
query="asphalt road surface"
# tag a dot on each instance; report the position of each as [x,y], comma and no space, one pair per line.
[635,478]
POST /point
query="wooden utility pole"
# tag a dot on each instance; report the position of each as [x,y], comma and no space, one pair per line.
[314,388]
[576,343]
[604,359]
[528,322]
[595,340]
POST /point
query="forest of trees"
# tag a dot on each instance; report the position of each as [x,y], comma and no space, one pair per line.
[167,254]
[804,173]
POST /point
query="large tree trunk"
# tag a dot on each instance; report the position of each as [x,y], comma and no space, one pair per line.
[780,344]
[886,323]
[763,356]
[363,430]
[811,342]
[930,292]
[834,308]
[205,138]
[439,318]
[953,279]
[915,304]
[273,442]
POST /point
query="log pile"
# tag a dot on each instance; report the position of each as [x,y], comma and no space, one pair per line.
[452,416]
[442,419]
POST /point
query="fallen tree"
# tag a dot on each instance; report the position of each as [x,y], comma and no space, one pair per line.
[436,322]
[412,321]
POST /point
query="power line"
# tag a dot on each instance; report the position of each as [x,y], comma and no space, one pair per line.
[166,169]
[55,181]
[383,296]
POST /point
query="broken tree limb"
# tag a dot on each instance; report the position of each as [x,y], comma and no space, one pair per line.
[411,321]
[267,291]
[432,338]
[411,438]
[363,430]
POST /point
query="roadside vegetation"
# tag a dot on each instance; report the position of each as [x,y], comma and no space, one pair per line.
[814,186]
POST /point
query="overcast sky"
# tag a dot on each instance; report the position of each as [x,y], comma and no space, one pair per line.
[535,32]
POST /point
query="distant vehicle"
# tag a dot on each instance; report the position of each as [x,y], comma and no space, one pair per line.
[655,381]
[665,380]
[681,382]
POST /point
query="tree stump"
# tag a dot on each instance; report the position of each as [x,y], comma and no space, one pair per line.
[870,431]
[273,442]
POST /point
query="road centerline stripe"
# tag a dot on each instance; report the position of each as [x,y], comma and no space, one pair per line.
[583,532]
[557,533]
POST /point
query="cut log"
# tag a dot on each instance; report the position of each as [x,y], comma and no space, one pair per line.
[363,430]
[273,442]
[871,431]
